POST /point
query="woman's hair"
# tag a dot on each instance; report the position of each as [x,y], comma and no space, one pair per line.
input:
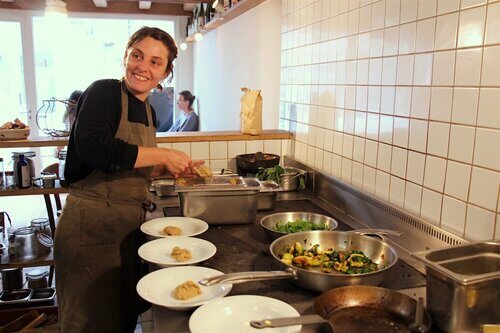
[161,36]
[188,97]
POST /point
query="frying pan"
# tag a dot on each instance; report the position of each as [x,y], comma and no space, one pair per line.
[359,309]
[377,250]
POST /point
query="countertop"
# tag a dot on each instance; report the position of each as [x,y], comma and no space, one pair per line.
[245,248]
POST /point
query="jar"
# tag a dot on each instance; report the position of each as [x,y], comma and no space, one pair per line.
[42,224]
[37,279]
[62,163]
[49,180]
[12,278]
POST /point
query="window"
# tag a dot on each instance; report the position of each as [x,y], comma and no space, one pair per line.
[12,92]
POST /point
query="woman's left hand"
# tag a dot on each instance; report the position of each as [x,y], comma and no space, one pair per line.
[158,170]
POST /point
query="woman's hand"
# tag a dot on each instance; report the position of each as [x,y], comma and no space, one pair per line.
[158,170]
[177,162]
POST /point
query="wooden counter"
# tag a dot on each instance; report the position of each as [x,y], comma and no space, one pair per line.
[162,137]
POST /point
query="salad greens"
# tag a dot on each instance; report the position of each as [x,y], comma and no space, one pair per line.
[299,225]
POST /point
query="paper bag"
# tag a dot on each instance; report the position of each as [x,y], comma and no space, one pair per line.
[251,112]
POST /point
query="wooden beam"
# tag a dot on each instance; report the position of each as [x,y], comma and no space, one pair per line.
[86,6]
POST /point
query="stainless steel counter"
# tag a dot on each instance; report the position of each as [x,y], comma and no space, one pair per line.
[245,247]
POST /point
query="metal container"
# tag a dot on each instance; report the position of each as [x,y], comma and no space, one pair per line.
[268,222]
[220,200]
[463,286]
[164,187]
[266,199]
[290,179]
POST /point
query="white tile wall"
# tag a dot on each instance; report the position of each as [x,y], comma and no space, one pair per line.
[401,99]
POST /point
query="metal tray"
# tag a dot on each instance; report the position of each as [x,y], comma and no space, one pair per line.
[17,296]
[42,295]
[216,183]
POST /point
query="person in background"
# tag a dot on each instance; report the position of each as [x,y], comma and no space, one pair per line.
[70,112]
[112,155]
[162,101]
[188,119]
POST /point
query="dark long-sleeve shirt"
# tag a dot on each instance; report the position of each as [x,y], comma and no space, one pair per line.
[92,143]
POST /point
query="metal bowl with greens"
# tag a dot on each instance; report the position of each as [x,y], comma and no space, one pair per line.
[279,224]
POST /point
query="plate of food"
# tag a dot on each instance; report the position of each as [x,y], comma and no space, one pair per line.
[234,314]
[14,130]
[174,226]
[176,288]
[177,251]
[279,224]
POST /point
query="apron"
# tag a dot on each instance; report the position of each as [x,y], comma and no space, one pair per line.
[96,262]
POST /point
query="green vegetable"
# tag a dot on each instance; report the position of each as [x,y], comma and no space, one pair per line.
[275,174]
[299,225]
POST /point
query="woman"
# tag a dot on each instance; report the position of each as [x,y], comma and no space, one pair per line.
[112,154]
[188,119]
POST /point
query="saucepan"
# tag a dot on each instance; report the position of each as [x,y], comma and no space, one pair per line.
[360,309]
[380,252]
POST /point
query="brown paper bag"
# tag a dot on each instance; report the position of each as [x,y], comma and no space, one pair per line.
[251,112]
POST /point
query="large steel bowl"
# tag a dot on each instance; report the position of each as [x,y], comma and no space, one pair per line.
[268,222]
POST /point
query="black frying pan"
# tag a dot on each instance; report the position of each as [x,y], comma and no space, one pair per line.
[360,309]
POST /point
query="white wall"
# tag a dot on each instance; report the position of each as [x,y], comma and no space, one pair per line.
[400,100]
[244,52]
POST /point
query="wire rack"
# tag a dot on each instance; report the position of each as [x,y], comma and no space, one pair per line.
[56,116]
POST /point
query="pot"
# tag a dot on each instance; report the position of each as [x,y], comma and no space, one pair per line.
[26,243]
[376,249]
[354,309]
[250,163]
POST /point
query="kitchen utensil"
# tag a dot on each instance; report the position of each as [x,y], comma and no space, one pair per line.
[221,200]
[234,313]
[360,309]
[268,222]
[157,287]
[158,251]
[25,243]
[250,163]
[463,285]
[290,179]
[189,226]
[12,278]
[380,252]
[288,321]
[164,187]
[268,194]
[419,326]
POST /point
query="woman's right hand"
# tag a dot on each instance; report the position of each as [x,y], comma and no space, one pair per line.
[178,162]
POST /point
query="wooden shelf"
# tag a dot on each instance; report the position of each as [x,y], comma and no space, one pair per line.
[42,260]
[32,191]
[233,12]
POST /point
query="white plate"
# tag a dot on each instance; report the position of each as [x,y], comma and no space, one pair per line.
[189,226]
[158,251]
[157,287]
[234,313]
[14,134]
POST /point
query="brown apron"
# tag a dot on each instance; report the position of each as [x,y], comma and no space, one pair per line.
[96,262]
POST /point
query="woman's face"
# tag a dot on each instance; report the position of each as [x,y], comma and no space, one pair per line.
[182,104]
[145,65]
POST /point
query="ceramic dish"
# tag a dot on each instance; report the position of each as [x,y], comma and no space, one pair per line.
[157,287]
[189,226]
[14,134]
[234,313]
[158,251]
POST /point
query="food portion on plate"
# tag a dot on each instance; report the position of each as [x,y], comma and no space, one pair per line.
[329,260]
[188,226]
[186,290]
[180,254]
[300,225]
[170,230]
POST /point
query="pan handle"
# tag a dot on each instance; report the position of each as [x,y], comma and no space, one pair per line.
[242,277]
[288,321]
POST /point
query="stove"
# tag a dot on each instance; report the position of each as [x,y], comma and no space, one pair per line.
[245,247]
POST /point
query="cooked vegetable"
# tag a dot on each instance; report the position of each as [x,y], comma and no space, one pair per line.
[275,174]
[299,225]
[345,262]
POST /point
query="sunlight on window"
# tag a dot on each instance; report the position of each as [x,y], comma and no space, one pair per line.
[12,94]
[72,53]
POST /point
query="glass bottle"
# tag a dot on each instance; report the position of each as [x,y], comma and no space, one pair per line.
[2,170]
[23,173]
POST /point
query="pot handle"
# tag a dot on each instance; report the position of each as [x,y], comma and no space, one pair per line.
[242,277]
[289,321]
